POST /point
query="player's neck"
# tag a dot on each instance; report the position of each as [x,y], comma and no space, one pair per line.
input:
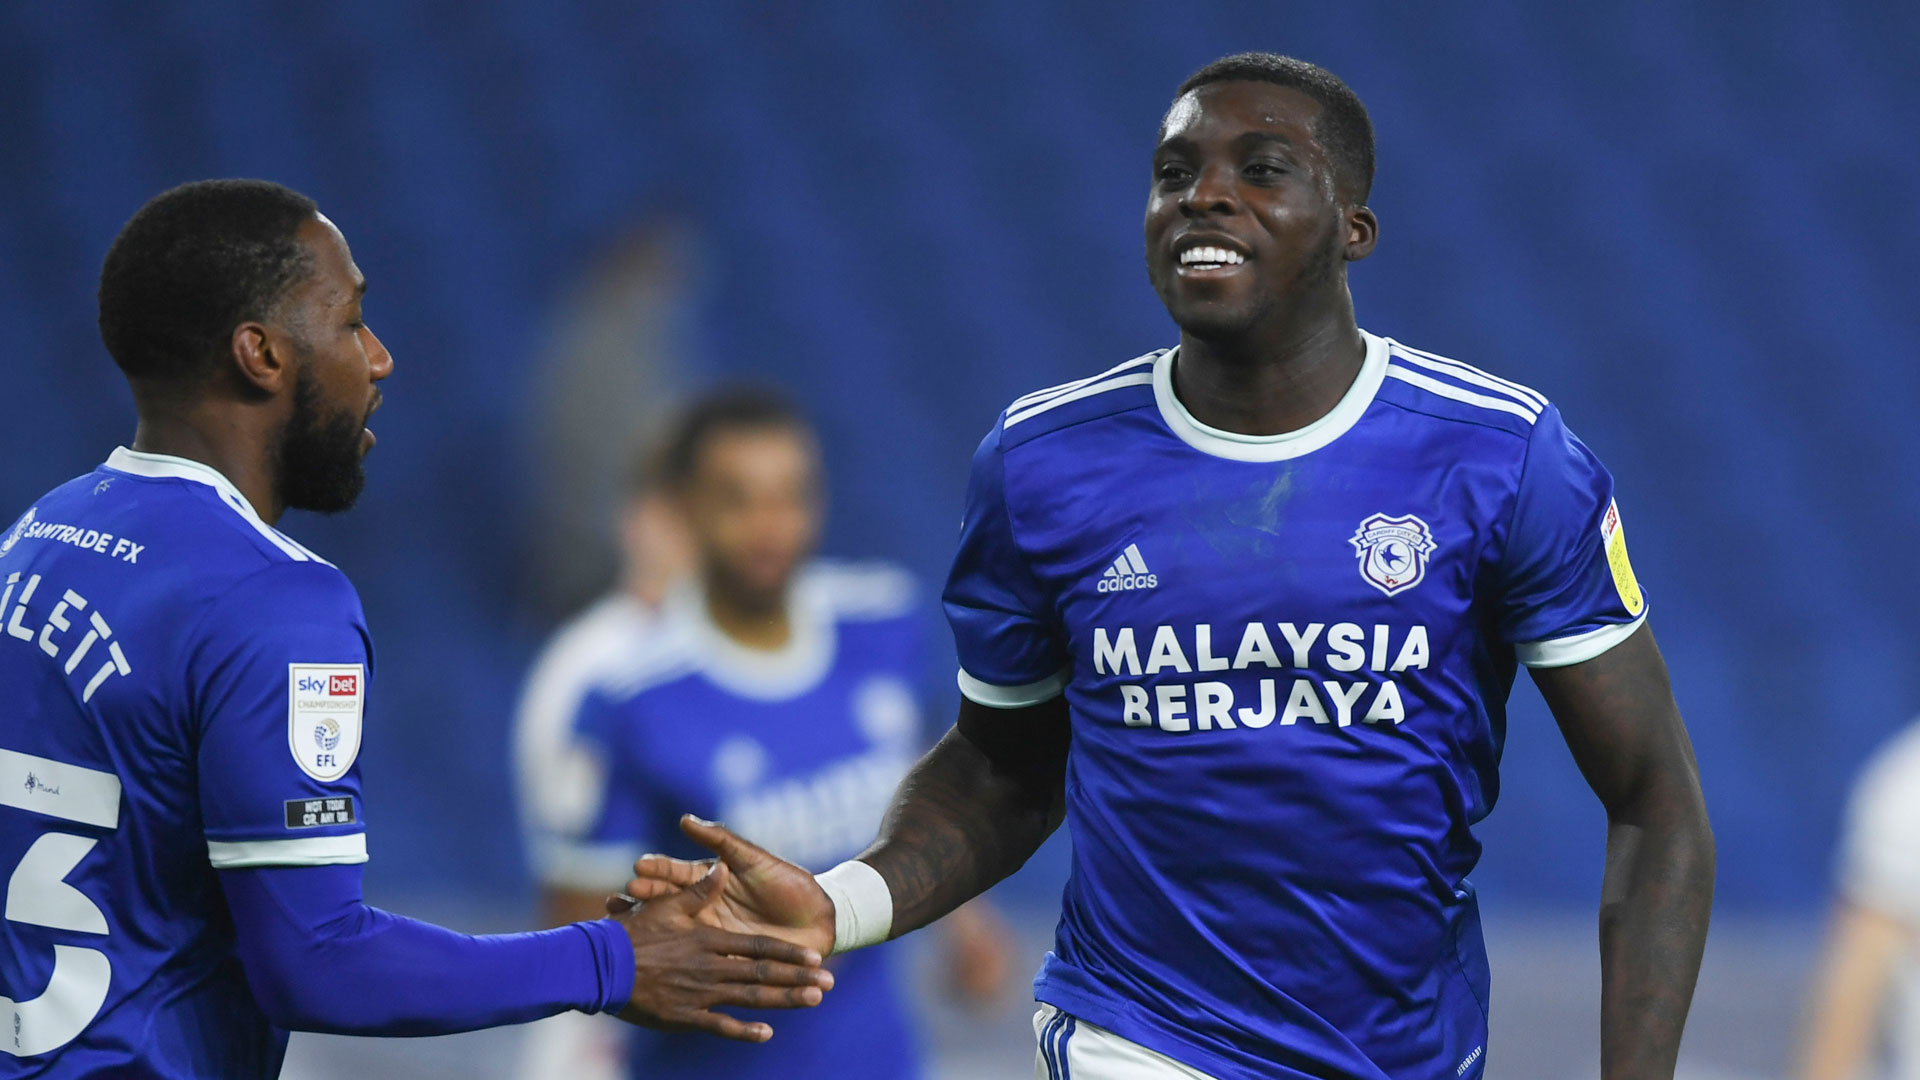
[1272,380]
[218,442]
[645,585]
[753,622]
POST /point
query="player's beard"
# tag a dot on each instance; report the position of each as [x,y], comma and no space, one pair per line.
[318,460]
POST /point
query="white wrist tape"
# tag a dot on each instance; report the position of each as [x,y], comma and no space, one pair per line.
[862,905]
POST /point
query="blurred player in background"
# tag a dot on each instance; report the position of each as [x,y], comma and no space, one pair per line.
[1867,995]
[767,688]
[182,827]
[558,776]
[1247,612]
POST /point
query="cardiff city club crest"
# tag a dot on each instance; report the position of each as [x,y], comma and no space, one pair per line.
[1393,551]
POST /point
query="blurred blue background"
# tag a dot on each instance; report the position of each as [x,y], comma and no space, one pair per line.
[1691,225]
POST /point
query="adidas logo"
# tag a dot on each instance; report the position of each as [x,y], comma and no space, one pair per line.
[1128,572]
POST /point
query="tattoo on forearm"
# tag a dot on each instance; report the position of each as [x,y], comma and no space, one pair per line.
[959,823]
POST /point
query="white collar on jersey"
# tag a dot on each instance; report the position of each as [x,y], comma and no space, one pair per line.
[762,674]
[1287,444]
[141,463]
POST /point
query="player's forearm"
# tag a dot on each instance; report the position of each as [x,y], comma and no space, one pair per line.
[320,960]
[1845,1011]
[959,823]
[1624,729]
[1654,909]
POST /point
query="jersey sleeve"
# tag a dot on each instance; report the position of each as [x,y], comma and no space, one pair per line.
[1567,591]
[317,958]
[1009,641]
[606,823]
[281,672]
[1880,857]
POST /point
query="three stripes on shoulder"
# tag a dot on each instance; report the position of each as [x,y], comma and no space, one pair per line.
[1418,368]
[1135,372]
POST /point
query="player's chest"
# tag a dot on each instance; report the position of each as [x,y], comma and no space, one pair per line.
[1356,538]
[808,775]
[714,745]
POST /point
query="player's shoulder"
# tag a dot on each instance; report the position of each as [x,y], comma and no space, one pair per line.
[195,518]
[250,607]
[1119,389]
[606,645]
[1893,773]
[1442,389]
[635,650]
[863,590]
[177,536]
[599,637]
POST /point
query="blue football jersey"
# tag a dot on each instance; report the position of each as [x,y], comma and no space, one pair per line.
[798,750]
[184,689]
[561,778]
[1287,660]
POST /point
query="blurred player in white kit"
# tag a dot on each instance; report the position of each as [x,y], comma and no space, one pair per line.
[1868,987]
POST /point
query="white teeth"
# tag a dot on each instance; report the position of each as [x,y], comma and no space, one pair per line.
[1210,256]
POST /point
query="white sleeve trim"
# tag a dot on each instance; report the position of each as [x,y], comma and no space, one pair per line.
[1013,697]
[305,851]
[1577,649]
[584,867]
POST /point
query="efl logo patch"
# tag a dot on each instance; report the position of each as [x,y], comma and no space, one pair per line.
[313,813]
[325,703]
[1614,539]
[1393,551]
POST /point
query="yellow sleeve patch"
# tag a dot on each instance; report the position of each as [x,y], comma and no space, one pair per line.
[1614,538]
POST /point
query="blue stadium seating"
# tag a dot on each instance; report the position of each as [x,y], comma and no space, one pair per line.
[1694,226]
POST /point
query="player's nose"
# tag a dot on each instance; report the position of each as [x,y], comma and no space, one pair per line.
[1212,191]
[379,360]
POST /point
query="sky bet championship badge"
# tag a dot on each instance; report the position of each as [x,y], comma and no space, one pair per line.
[324,703]
[1393,551]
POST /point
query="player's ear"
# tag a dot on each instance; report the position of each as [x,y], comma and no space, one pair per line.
[1363,231]
[262,358]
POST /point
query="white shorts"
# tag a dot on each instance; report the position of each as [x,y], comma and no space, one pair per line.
[1072,1049]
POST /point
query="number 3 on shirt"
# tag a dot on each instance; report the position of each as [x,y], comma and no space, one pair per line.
[37,894]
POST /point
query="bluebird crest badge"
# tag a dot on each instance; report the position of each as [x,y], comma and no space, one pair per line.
[1393,551]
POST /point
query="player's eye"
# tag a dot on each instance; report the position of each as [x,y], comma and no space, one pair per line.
[1264,170]
[1171,174]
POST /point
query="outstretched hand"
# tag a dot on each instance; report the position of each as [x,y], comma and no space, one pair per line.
[762,894]
[685,962]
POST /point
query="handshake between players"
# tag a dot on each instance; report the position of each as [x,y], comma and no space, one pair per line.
[689,956]
[744,890]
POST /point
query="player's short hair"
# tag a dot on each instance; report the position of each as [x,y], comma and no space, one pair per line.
[192,264]
[736,408]
[1343,126]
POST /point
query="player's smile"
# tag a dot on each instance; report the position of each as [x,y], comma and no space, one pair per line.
[1203,257]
